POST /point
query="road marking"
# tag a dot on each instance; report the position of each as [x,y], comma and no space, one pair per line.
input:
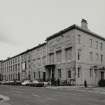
[35,95]
[18,89]
[19,92]
[49,98]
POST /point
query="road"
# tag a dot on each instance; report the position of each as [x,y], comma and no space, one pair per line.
[21,95]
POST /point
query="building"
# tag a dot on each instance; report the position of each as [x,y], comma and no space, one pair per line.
[33,63]
[0,70]
[11,68]
[76,54]
[72,56]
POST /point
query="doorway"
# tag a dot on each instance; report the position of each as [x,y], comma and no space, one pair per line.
[102,75]
[50,69]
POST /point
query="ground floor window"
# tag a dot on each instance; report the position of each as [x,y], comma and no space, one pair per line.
[59,73]
[29,75]
[91,72]
[79,70]
[34,75]
[18,76]
[39,74]
[69,73]
[44,76]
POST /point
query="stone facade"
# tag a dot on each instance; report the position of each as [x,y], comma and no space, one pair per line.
[0,70]
[92,57]
[73,55]
[60,52]
[38,62]
[11,69]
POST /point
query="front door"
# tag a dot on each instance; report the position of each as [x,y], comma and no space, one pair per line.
[50,72]
[102,75]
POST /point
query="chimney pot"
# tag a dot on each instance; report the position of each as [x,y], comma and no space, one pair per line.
[84,24]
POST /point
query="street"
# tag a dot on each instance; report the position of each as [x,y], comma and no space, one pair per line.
[24,95]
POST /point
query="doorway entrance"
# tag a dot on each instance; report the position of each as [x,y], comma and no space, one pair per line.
[50,69]
[102,75]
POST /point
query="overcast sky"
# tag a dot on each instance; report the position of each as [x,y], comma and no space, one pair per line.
[26,23]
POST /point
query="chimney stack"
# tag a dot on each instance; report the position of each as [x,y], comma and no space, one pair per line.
[84,24]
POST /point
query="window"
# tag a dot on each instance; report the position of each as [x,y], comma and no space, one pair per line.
[69,74]
[97,56]
[59,73]
[91,56]
[96,44]
[101,46]
[23,66]
[91,73]
[38,61]
[44,76]
[68,53]
[44,60]
[18,66]
[58,56]
[91,42]
[79,54]
[79,68]
[79,39]
[18,76]
[101,58]
[51,58]
[29,75]
[39,74]
[34,75]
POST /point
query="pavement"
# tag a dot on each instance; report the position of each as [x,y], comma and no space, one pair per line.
[99,90]
[62,95]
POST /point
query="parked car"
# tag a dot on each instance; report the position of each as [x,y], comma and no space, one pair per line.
[10,83]
[37,83]
[5,82]
[16,83]
[0,82]
[26,83]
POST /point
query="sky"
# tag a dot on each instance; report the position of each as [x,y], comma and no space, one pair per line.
[26,23]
